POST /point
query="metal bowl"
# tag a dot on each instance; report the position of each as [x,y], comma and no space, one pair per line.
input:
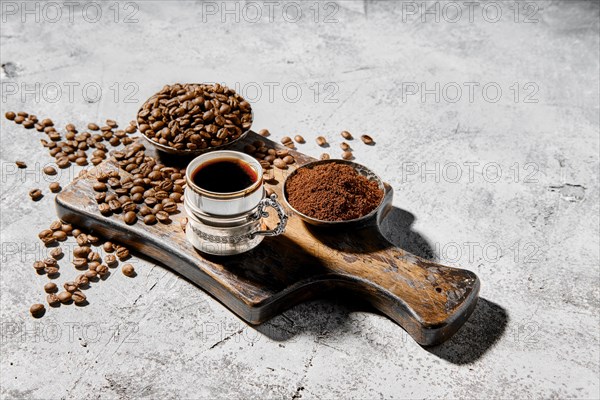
[191,153]
[378,211]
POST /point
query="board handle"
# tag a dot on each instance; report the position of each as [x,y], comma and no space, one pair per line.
[430,301]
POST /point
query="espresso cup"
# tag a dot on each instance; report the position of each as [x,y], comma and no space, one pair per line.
[225,201]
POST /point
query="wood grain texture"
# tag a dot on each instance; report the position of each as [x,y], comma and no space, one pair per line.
[428,300]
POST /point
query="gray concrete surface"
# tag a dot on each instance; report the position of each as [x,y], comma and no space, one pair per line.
[531,234]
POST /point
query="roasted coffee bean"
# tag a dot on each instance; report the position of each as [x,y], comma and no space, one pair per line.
[82,281]
[54,187]
[264,132]
[60,236]
[55,226]
[82,251]
[344,146]
[282,153]
[299,139]
[128,270]
[70,286]
[100,197]
[50,287]
[21,164]
[104,209]
[102,270]
[114,205]
[347,155]
[122,252]
[63,162]
[137,198]
[346,135]
[288,159]
[80,262]
[279,163]
[70,128]
[51,271]
[150,201]
[19,119]
[93,127]
[93,239]
[10,115]
[145,210]
[108,247]
[183,223]
[325,156]
[163,216]
[76,232]
[35,194]
[100,187]
[367,139]
[110,260]
[129,206]
[321,141]
[28,124]
[91,274]
[79,298]
[64,297]
[52,300]
[49,170]
[67,228]
[170,207]
[286,139]
[150,219]
[39,266]
[94,256]
[56,253]
[93,265]
[37,310]
[50,262]
[45,233]
[130,217]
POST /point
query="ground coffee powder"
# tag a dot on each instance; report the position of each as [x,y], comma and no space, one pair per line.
[333,192]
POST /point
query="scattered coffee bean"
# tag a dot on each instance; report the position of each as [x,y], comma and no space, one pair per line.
[37,310]
[110,260]
[54,187]
[50,287]
[10,115]
[104,209]
[70,286]
[344,146]
[49,170]
[122,252]
[288,159]
[279,163]
[347,155]
[163,217]
[56,253]
[60,236]
[39,266]
[102,270]
[367,139]
[93,127]
[100,187]
[50,262]
[108,247]
[94,256]
[130,217]
[79,298]
[52,300]
[91,274]
[321,141]
[55,226]
[51,271]
[82,251]
[64,297]
[80,262]
[347,135]
[82,281]
[299,139]
[264,132]
[325,156]
[286,140]
[128,270]
[21,164]
[35,194]
[150,219]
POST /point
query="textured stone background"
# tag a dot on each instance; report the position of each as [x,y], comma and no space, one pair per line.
[530,234]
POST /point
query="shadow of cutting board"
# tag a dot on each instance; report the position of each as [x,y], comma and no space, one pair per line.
[428,300]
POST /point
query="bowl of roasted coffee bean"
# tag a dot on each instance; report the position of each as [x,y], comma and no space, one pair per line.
[335,193]
[191,119]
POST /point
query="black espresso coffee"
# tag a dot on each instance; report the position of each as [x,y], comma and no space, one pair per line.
[224,175]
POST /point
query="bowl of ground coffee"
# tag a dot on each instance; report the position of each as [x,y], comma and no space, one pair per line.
[334,192]
[191,119]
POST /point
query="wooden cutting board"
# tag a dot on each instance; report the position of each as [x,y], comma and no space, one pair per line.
[428,300]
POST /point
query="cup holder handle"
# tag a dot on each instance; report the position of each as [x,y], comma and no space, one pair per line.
[262,213]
